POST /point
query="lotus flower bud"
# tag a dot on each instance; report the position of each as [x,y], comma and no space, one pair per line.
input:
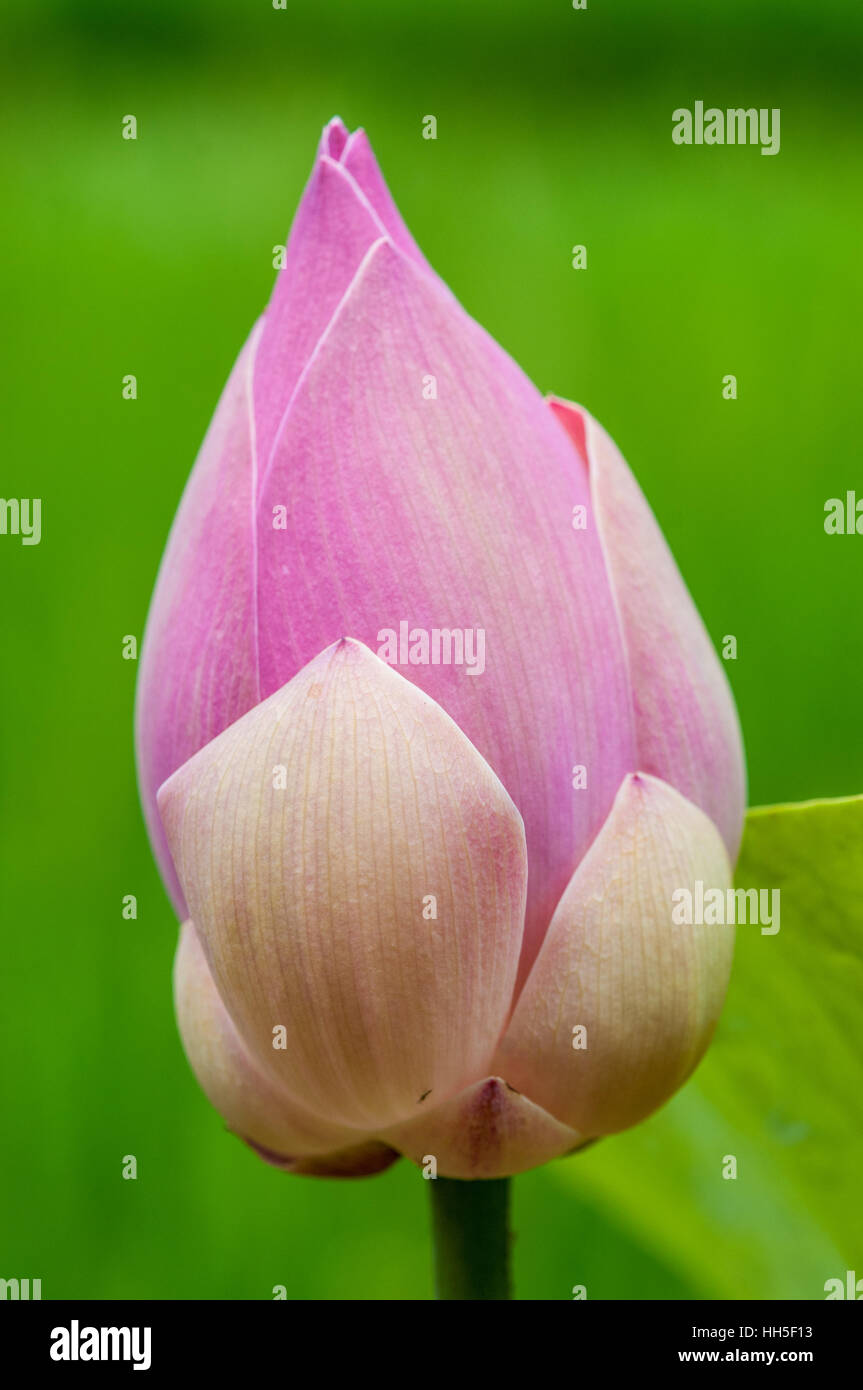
[378,646]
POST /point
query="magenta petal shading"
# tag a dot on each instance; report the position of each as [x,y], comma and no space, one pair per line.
[362,1161]
[687,730]
[357,875]
[333,229]
[451,510]
[198,670]
[357,158]
[334,137]
[486,1131]
[646,989]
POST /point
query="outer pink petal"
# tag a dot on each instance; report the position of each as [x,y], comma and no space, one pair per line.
[255,1106]
[687,728]
[454,512]
[198,670]
[357,158]
[310,896]
[333,229]
[486,1131]
[647,991]
[353,151]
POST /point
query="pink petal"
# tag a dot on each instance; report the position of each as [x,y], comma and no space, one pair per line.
[310,896]
[253,1103]
[333,229]
[198,669]
[453,512]
[486,1131]
[647,991]
[687,728]
[334,137]
[357,158]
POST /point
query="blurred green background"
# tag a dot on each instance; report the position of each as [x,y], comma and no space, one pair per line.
[154,258]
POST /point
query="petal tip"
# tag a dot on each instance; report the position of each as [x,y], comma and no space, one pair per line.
[334,137]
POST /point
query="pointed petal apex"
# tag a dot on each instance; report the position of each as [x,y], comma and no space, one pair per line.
[486,1131]
[334,137]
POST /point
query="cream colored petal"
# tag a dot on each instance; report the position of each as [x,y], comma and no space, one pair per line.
[646,990]
[252,1103]
[357,874]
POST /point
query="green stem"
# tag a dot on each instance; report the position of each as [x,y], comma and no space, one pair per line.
[471,1238]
